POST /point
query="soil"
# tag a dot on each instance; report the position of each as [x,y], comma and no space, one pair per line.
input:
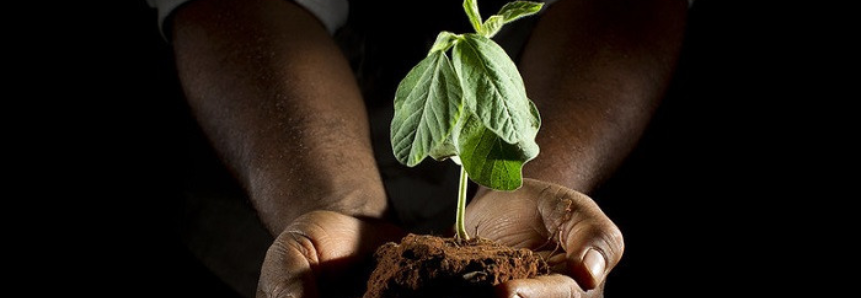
[427,266]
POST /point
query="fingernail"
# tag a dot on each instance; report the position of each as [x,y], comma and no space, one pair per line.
[595,263]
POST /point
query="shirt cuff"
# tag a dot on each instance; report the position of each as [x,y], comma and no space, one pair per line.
[332,13]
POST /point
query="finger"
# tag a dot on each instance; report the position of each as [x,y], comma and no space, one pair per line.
[592,242]
[286,270]
[548,286]
[339,240]
[593,245]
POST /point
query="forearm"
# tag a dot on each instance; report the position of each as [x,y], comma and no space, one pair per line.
[278,101]
[597,69]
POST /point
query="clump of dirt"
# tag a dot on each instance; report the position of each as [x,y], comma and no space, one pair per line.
[427,266]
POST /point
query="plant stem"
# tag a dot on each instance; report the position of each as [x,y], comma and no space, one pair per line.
[461,206]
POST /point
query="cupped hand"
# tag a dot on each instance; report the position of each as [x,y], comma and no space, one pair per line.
[576,238]
[318,248]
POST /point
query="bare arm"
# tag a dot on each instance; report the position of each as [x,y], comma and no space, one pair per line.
[597,69]
[278,101]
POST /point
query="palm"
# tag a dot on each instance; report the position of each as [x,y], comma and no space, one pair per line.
[528,218]
[560,224]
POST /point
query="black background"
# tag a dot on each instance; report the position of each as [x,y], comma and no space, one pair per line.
[725,196]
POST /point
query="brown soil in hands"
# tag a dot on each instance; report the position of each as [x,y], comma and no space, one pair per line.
[426,266]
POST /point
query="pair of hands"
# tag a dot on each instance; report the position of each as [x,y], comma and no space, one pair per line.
[576,238]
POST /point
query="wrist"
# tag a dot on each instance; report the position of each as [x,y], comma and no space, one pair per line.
[535,187]
[279,205]
[363,201]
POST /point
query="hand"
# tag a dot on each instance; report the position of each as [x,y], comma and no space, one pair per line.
[576,238]
[321,247]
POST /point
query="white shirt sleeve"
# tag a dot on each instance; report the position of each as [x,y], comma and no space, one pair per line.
[548,2]
[332,13]
[165,8]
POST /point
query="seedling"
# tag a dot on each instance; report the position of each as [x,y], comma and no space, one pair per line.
[471,108]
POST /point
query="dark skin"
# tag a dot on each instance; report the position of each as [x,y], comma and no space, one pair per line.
[277,99]
[596,70]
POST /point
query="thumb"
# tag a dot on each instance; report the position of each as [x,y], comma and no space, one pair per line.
[592,242]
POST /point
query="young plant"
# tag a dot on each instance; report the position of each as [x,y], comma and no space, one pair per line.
[472,108]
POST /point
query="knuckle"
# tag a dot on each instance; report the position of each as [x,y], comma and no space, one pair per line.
[300,243]
[615,241]
[607,237]
[265,291]
[267,288]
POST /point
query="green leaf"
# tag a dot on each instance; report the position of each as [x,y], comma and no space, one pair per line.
[428,103]
[493,88]
[489,160]
[518,9]
[444,150]
[444,41]
[471,9]
[491,26]
[536,117]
